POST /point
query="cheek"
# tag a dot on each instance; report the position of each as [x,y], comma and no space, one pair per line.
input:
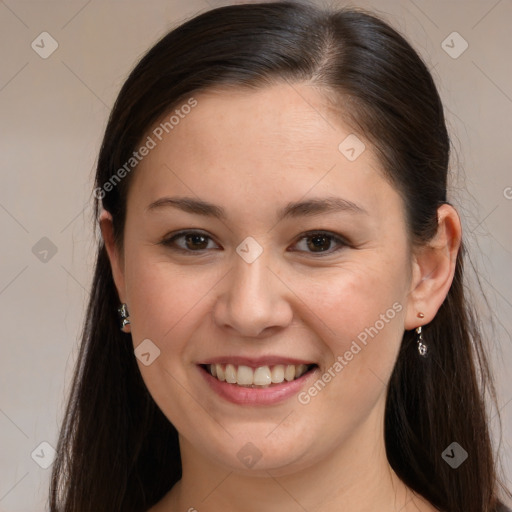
[359,310]
[354,297]
[163,297]
[164,304]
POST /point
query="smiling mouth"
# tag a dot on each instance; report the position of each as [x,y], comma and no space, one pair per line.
[261,377]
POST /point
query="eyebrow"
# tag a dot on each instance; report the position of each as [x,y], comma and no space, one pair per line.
[311,207]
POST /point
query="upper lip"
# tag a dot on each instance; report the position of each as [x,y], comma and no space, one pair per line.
[255,362]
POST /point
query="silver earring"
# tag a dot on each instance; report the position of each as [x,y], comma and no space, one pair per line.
[422,348]
[123,317]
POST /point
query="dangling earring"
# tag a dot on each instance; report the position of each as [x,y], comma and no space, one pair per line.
[422,347]
[123,316]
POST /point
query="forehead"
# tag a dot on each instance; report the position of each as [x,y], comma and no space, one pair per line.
[282,119]
[237,145]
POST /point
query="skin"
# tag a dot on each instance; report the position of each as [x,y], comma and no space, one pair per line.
[252,152]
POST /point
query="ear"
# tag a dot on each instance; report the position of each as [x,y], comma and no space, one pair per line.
[116,259]
[434,268]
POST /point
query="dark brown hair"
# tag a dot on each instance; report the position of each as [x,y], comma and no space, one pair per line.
[117,451]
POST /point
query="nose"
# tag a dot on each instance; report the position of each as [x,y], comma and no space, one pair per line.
[253,301]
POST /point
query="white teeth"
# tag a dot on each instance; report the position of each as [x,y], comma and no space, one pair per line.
[219,371]
[261,376]
[278,373]
[230,373]
[244,375]
[300,370]
[289,373]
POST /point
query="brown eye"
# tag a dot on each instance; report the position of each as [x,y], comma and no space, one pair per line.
[191,241]
[195,241]
[319,242]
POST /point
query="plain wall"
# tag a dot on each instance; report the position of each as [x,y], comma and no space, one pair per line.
[53,113]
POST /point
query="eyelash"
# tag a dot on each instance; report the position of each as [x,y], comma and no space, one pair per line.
[169,242]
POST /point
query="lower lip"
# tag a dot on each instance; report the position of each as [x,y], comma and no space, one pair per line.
[256,396]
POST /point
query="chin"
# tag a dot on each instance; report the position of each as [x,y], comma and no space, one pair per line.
[258,455]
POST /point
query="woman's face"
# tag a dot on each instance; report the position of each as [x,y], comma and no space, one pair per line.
[257,287]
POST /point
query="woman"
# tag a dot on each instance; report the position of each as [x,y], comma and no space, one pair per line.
[288,274]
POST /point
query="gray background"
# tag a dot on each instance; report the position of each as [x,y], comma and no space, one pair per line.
[54,112]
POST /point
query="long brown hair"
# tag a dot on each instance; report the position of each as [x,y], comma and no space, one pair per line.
[117,451]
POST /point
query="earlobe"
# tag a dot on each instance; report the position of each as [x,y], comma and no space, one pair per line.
[116,260]
[434,268]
